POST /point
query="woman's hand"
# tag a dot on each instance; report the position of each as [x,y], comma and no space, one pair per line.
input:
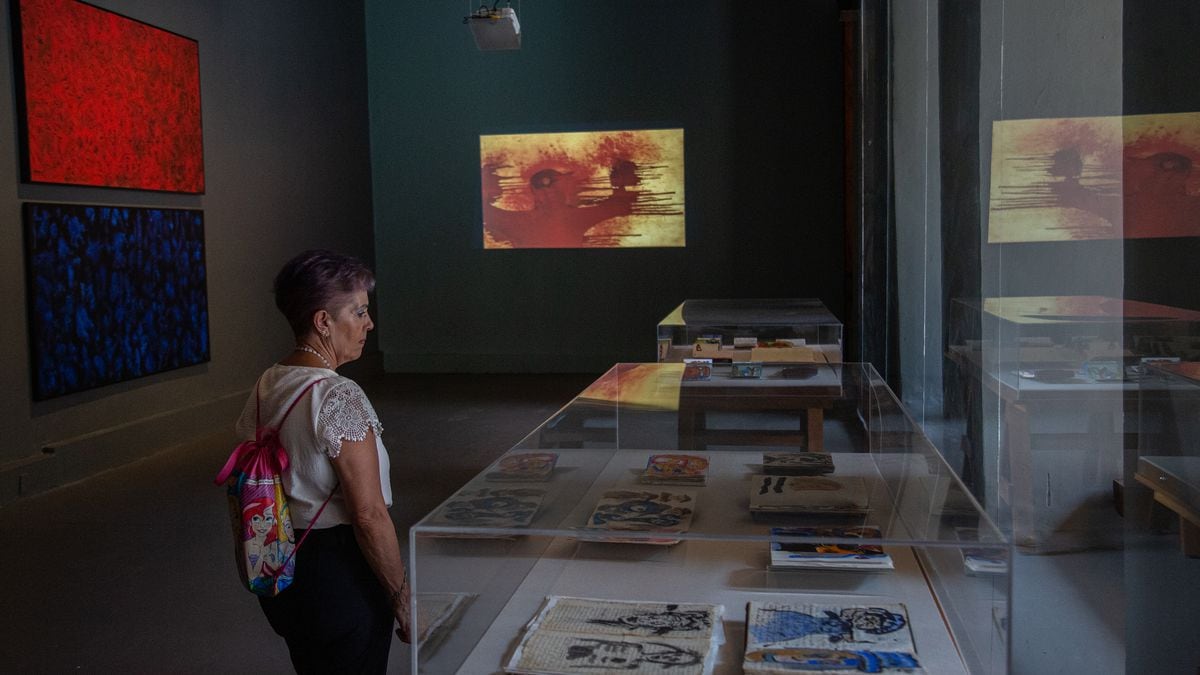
[401,607]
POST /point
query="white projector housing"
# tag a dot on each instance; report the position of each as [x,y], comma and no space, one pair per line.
[496,30]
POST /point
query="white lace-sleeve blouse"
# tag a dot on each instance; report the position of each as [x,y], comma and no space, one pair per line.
[335,410]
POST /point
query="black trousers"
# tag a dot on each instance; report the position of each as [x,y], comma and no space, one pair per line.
[335,616]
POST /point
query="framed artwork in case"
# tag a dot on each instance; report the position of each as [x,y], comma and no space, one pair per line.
[105,100]
[115,293]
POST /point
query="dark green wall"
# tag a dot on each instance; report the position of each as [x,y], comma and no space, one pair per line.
[757,90]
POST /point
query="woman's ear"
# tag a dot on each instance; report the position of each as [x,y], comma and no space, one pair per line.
[321,322]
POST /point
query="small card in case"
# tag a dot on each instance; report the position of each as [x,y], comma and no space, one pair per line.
[746,369]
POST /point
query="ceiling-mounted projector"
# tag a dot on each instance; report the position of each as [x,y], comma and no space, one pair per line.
[494,29]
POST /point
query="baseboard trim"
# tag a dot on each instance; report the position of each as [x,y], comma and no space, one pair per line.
[74,459]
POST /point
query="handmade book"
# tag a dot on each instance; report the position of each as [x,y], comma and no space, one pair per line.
[797,463]
[668,511]
[813,550]
[524,467]
[489,507]
[584,635]
[437,614]
[808,494]
[675,470]
[980,560]
[828,638]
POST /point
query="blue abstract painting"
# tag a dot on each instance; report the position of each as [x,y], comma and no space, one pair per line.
[115,293]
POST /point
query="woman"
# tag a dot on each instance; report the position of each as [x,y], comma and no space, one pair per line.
[350,583]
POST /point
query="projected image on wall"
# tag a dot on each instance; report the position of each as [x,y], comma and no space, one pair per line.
[1095,178]
[596,189]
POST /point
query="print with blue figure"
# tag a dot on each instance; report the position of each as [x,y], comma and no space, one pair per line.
[782,625]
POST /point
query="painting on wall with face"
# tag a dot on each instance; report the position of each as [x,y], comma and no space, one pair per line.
[1095,178]
[115,293]
[594,189]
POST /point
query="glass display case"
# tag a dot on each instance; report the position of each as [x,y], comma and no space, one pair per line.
[1162,521]
[868,553]
[1048,389]
[750,330]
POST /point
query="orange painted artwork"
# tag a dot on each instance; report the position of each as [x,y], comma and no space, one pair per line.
[1085,178]
[638,385]
[592,189]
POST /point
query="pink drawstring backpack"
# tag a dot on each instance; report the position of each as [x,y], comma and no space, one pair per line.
[265,545]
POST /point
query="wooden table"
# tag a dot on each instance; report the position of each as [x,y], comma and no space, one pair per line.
[1175,482]
[808,399]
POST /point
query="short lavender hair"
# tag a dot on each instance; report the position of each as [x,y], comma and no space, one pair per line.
[316,280]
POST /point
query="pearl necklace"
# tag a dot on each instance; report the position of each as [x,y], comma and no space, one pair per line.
[310,350]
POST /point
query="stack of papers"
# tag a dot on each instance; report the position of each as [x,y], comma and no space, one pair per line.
[814,550]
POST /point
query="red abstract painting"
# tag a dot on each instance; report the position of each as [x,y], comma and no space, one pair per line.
[594,189]
[106,100]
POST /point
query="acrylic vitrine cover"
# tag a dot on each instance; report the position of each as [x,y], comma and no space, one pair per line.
[797,463]
[828,638]
[585,635]
[489,507]
[815,550]
[808,494]
[733,329]
[669,469]
[524,467]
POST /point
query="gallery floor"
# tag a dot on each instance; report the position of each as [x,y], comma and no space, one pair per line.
[131,571]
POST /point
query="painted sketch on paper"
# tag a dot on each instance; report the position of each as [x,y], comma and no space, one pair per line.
[797,463]
[114,294]
[1095,178]
[635,510]
[553,652]
[809,494]
[671,469]
[524,467]
[490,508]
[106,100]
[620,617]
[783,638]
[584,635]
[594,189]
